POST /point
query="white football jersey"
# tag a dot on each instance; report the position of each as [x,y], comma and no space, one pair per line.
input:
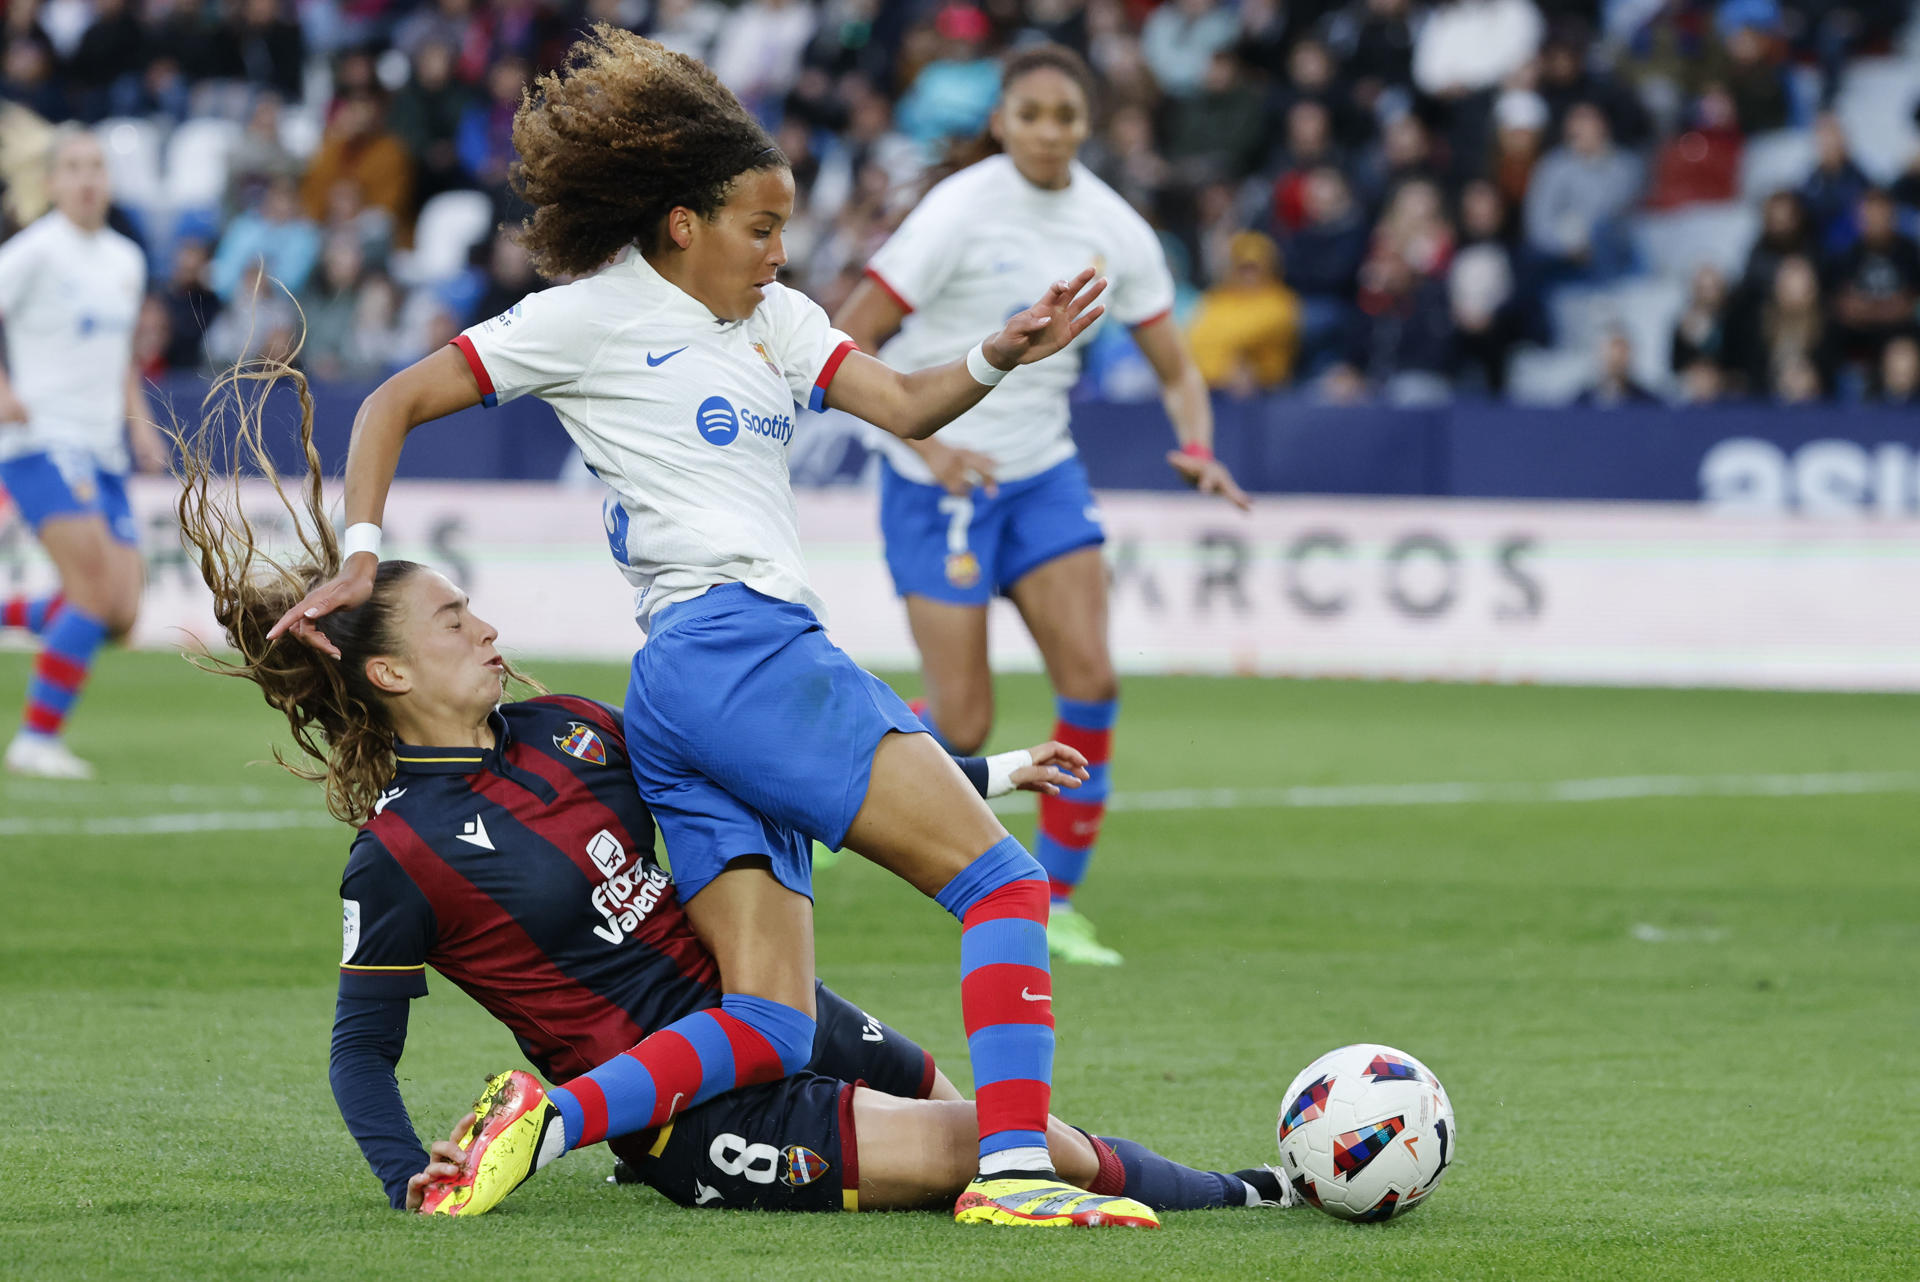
[69,299]
[687,418]
[985,244]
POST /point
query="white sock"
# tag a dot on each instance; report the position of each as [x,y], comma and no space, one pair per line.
[1016,1159]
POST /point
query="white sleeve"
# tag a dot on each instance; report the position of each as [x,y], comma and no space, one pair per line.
[805,345]
[1141,287]
[19,263]
[919,258]
[541,344]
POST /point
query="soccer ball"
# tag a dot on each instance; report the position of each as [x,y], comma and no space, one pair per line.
[1366,1132]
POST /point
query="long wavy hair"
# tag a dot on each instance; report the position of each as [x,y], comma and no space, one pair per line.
[340,721]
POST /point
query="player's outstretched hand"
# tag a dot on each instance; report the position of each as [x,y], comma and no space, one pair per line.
[448,1161]
[1062,315]
[1055,766]
[352,586]
[1209,476]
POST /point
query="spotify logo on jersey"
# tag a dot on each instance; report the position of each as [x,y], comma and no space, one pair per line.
[717,421]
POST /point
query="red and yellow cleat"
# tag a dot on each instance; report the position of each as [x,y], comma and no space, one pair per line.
[1031,1203]
[515,1132]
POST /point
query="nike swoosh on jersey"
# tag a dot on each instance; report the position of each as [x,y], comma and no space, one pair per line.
[662,360]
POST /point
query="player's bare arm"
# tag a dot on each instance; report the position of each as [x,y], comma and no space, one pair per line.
[915,406]
[432,387]
[150,453]
[1184,393]
[870,317]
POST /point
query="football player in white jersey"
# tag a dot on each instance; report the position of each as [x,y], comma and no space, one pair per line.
[71,402]
[999,503]
[675,362]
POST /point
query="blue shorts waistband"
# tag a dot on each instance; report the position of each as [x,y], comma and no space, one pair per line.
[722,598]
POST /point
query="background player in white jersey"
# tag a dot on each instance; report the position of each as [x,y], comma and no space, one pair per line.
[675,368]
[999,503]
[70,404]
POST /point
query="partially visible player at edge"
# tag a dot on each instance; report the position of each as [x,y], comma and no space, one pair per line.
[675,368]
[999,502]
[504,846]
[71,403]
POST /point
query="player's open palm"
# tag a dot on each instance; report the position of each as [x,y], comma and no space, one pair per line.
[1062,315]
[351,587]
[1209,476]
[1055,766]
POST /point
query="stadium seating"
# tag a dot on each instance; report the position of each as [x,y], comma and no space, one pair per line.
[450,225]
[197,155]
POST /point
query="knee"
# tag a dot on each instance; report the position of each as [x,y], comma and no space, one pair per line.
[1091,682]
[966,733]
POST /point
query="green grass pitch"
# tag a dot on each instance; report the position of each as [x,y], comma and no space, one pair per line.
[1681,1033]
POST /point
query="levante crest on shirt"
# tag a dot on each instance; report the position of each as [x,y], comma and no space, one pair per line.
[804,1166]
[579,741]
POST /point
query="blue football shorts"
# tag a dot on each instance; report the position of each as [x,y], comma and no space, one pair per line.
[787,1145]
[963,551]
[55,483]
[751,733]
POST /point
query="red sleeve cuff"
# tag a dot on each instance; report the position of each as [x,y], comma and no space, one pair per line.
[480,375]
[1154,319]
[818,399]
[889,291]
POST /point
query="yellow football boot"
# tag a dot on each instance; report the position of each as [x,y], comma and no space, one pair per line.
[1047,1203]
[516,1130]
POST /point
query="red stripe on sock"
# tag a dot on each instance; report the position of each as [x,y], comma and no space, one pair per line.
[1093,744]
[1074,824]
[593,1110]
[13,614]
[754,1059]
[1022,899]
[1060,889]
[674,1065]
[1017,1104]
[42,720]
[1006,994]
[1111,1181]
[59,670]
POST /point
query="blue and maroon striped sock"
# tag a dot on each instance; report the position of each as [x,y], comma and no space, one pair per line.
[1006,999]
[749,1040]
[29,613]
[61,670]
[1070,822]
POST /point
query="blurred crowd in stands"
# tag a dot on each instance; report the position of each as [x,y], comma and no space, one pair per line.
[1365,199]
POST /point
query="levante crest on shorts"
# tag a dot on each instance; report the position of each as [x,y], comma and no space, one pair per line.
[581,742]
[804,1166]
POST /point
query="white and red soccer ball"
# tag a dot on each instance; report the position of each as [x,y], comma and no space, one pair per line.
[1366,1132]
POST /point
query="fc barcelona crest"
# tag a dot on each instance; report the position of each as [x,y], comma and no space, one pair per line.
[580,741]
[963,569]
[803,1166]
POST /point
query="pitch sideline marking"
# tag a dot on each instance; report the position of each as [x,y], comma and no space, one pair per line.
[1557,791]
[1327,796]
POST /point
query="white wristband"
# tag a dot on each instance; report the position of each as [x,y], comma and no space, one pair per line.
[984,371]
[1000,768]
[361,537]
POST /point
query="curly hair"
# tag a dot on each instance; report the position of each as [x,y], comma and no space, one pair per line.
[339,719]
[624,131]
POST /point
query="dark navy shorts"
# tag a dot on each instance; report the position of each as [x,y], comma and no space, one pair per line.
[788,1145]
[964,551]
[751,733]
